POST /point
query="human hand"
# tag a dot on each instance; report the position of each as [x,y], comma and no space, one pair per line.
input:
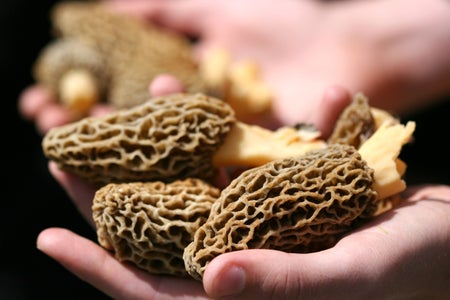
[401,254]
[317,274]
[304,47]
[98,267]
[379,260]
[215,24]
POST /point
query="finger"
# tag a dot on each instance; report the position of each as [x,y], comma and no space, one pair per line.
[333,102]
[78,190]
[98,267]
[185,16]
[37,104]
[255,274]
[32,99]
[426,192]
[165,84]
[52,115]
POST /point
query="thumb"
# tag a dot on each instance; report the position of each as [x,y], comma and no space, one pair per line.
[270,274]
[334,100]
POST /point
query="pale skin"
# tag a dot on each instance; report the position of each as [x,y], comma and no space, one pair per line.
[402,254]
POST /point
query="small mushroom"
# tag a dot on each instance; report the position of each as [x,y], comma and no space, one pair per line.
[355,124]
[74,72]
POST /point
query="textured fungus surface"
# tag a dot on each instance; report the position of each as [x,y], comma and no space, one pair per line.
[355,124]
[166,138]
[66,54]
[295,205]
[149,224]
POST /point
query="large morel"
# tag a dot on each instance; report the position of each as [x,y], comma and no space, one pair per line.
[295,205]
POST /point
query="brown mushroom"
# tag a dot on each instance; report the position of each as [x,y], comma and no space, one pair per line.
[167,138]
[74,72]
[150,223]
[129,52]
[295,205]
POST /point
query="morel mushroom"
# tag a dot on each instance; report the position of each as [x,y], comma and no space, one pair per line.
[149,224]
[117,55]
[167,138]
[355,124]
[294,205]
[74,72]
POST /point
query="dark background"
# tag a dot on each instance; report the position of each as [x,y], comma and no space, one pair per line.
[34,201]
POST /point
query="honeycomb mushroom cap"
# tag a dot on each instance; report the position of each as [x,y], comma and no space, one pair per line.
[134,52]
[149,224]
[295,205]
[167,138]
[62,55]
[355,124]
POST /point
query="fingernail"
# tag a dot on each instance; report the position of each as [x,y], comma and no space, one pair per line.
[231,282]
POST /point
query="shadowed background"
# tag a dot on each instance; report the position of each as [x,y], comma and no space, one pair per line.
[33,200]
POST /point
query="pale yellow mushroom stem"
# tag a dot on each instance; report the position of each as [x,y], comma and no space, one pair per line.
[250,145]
[79,90]
[381,153]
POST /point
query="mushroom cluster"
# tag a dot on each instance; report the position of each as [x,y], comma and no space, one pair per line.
[153,163]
